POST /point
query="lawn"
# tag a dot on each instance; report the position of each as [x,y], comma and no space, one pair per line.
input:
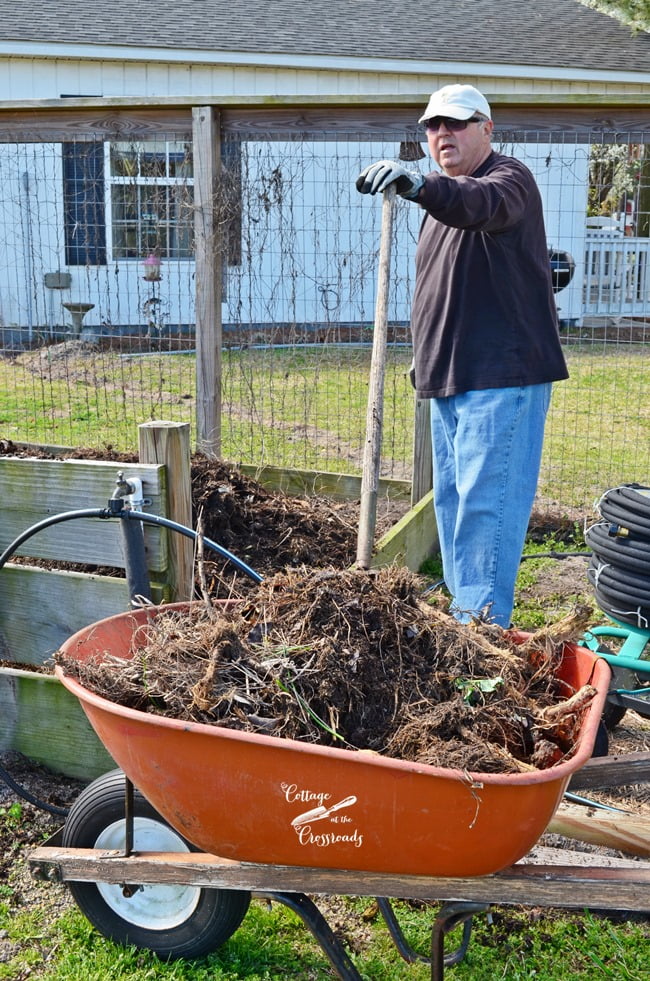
[305,408]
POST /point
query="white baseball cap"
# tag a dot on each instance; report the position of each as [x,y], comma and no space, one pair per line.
[457,102]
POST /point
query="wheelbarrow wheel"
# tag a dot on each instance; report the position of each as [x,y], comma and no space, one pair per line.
[173,921]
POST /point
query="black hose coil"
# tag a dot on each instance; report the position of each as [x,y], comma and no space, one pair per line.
[619,569]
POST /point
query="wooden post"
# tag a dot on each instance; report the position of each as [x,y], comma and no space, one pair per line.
[422,481]
[208,286]
[168,443]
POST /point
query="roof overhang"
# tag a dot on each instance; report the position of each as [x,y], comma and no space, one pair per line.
[125,53]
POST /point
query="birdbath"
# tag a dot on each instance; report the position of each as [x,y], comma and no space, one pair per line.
[77,312]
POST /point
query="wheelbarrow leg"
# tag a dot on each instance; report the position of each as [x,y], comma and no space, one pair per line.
[404,948]
[450,916]
[438,959]
[321,930]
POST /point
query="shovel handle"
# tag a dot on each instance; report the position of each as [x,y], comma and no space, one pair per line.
[375,410]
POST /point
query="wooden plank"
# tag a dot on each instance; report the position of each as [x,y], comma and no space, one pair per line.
[533,116]
[86,105]
[612,771]
[42,720]
[60,122]
[40,609]
[208,279]
[529,122]
[339,486]
[422,452]
[32,490]
[412,540]
[547,855]
[629,833]
[538,885]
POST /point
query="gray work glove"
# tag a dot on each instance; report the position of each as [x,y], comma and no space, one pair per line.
[412,373]
[378,176]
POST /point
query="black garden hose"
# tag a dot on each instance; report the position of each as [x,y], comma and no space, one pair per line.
[114,510]
[629,553]
[126,513]
[553,555]
[619,569]
[627,508]
[25,794]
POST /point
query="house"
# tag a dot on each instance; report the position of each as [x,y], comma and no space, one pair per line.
[81,216]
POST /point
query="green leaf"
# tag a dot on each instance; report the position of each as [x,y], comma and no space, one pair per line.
[471,687]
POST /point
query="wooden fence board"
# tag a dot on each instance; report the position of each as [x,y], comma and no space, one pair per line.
[42,720]
[412,540]
[32,490]
[39,610]
[338,486]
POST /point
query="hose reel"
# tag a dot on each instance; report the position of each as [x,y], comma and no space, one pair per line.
[619,568]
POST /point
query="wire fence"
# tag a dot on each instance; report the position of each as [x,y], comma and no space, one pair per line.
[98,298]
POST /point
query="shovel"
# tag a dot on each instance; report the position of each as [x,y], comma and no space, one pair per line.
[375,411]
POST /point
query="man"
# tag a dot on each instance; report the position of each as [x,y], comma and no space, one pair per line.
[485,342]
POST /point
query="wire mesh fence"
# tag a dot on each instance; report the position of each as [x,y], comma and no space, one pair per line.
[98,286]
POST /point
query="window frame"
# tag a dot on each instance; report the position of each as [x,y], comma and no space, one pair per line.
[138,181]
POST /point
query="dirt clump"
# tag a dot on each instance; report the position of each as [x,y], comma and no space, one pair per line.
[353,660]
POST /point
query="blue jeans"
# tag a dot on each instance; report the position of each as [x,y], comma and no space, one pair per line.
[487,449]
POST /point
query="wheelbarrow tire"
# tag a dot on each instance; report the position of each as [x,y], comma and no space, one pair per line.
[173,921]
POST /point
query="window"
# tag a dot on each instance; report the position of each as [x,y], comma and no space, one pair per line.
[83,204]
[126,200]
[150,197]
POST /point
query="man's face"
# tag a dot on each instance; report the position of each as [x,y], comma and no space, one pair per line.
[459,151]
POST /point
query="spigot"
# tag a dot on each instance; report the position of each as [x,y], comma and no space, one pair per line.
[128,493]
[122,487]
[134,497]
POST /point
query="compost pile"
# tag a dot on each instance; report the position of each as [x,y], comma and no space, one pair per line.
[266,529]
[354,660]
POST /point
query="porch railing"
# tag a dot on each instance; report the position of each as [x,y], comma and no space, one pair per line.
[617,278]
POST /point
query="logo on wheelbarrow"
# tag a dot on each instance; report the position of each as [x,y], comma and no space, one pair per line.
[342,831]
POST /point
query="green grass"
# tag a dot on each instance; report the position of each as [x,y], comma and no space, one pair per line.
[598,430]
[534,608]
[306,408]
[273,943]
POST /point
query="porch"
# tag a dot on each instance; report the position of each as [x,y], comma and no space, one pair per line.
[616,281]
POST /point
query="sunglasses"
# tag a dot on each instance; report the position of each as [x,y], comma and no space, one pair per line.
[453,125]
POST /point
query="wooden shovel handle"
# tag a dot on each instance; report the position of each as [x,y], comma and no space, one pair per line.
[375,411]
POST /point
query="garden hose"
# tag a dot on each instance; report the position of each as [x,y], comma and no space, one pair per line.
[25,794]
[619,569]
[115,509]
[553,555]
[627,508]
[631,553]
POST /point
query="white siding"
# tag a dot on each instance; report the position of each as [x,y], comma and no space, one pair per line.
[47,78]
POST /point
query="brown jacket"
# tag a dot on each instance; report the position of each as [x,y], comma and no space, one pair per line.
[483,313]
